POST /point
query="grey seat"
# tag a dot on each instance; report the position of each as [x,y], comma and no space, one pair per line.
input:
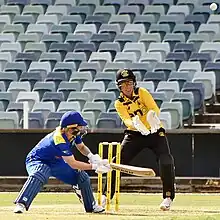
[93,88]
[113,67]
[156,10]
[147,85]
[16,87]
[69,106]
[176,111]
[165,118]
[9,120]
[49,20]
[8,77]
[39,29]
[122,39]
[86,29]
[112,29]
[210,29]
[68,68]
[34,10]
[25,20]
[151,58]
[58,10]
[170,88]
[75,57]
[83,11]
[42,87]
[30,97]
[163,48]
[96,107]
[148,38]
[162,29]
[180,10]
[210,47]
[131,10]
[25,38]
[111,47]
[171,20]
[13,48]
[187,29]
[67,87]
[55,97]
[81,78]
[137,29]
[44,107]
[126,57]
[137,48]
[90,67]
[6,38]
[122,20]
[89,117]
[172,39]
[197,39]
[106,97]
[147,20]
[67,3]
[5,99]
[106,10]
[81,97]
[72,20]
[193,66]
[10,10]
[40,66]
[17,67]
[101,58]
[166,67]
[105,77]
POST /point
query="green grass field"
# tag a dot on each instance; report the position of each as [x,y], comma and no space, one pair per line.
[54,206]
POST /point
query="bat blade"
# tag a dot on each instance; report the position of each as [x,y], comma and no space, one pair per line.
[133,170]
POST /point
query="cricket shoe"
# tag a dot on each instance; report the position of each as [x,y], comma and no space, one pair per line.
[20,208]
[165,205]
[78,193]
[98,209]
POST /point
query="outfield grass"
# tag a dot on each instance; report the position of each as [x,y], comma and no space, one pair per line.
[65,206]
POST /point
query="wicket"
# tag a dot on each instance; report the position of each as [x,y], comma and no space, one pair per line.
[109,174]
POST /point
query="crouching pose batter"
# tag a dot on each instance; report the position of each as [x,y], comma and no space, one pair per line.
[52,156]
[139,112]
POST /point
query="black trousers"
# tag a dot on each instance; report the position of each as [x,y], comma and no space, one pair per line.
[133,143]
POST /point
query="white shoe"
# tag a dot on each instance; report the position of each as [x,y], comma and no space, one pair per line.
[165,205]
[104,198]
[78,193]
[98,209]
[20,208]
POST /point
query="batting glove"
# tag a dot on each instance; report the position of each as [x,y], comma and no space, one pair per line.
[137,123]
[100,169]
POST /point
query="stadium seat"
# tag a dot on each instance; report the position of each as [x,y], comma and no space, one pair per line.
[53,119]
[35,120]
[147,20]
[187,100]
[96,20]
[16,87]
[81,97]
[176,57]
[155,77]
[83,11]
[6,98]
[198,39]
[160,97]
[30,97]
[106,97]
[165,118]
[89,117]
[137,48]
[198,91]
[55,97]
[42,87]
[9,120]
[196,20]
[147,85]
[170,88]
[8,77]
[173,39]
[166,67]
[81,78]
[176,111]
[105,77]
[192,66]
[69,106]
[56,77]
[93,88]
[203,58]
[148,38]
[44,107]
[108,120]
[17,107]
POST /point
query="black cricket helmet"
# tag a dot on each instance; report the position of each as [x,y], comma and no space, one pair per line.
[125,75]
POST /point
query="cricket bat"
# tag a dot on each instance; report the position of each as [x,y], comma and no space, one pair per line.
[132,170]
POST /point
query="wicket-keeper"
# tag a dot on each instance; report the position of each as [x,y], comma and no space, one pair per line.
[139,112]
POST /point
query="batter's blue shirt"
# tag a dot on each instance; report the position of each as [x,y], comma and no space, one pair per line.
[52,147]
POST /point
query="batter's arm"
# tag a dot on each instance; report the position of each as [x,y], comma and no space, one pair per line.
[83,149]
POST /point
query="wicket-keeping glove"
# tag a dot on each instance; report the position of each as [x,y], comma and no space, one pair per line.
[153,121]
[137,123]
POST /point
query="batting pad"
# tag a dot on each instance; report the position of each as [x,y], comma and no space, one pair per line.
[30,189]
[86,191]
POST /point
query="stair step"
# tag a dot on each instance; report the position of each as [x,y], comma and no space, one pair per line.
[215,108]
[207,118]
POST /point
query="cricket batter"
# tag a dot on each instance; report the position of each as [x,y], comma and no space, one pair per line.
[139,112]
[52,156]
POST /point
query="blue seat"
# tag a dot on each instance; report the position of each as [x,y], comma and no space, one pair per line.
[62,48]
[53,119]
[203,58]
[56,77]
[146,20]
[87,48]
[176,57]
[160,97]
[180,77]
[98,20]
[215,67]
[196,20]
[198,91]
[108,120]
[35,120]
[32,78]
[155,77]
[188,48]
[97,39]
[55,97]
[83,11]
